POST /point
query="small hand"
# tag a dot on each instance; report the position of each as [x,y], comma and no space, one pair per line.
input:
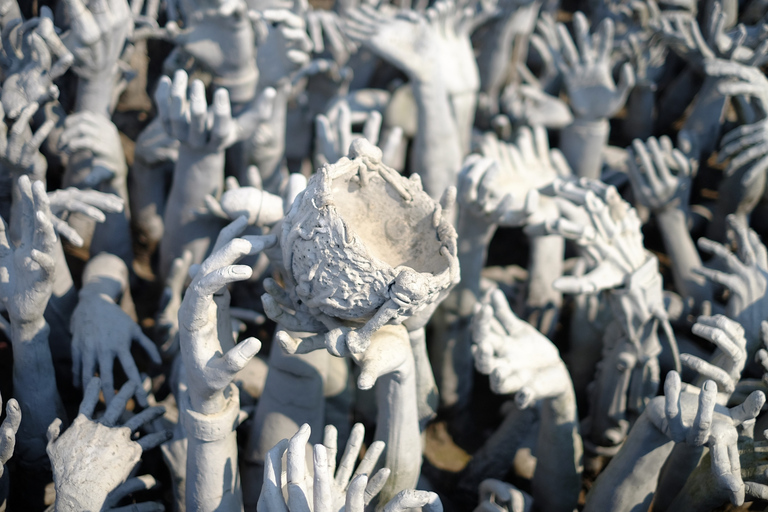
[516,356]
[96,133]
[285,48]
[323,26]
[498,496]
[93,457]
[28,268]
[587,71]
[660,175]
[333,133]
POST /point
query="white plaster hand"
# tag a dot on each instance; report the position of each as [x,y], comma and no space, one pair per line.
[8,432]
[91,203]
[660,174]
[96,133]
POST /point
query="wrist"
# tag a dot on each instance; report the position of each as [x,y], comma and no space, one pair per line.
[94,91]
[212,421]
[582,142]
[76,500]
[29,329]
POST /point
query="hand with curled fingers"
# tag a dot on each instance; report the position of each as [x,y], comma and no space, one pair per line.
[586,71]
[327,34]
[501,183]
[20,148]
[95,133]
[91,203]
[604,227]
[515,355]
[498,496]
[727,363]
[745,147]
[32,57]
[28,268]
[93,457]
[698,421]
[190,120]
[259,206]
[8,432]
[660,174]
[97,35]
[103,332]
[745,275]
[211,358]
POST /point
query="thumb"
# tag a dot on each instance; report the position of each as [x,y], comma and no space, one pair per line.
[238,356]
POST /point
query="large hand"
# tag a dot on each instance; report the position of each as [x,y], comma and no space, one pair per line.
[516,356]
[746,277]
[93,457]
[97,36]
[211,358]
[101,333]
[502,185]
[587,71]
[606,229]
[697,421]
[27,270]
[660,174]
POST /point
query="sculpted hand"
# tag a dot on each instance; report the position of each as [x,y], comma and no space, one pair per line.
[516,356]
[727,363]
[96,133]
[99,29]
[501,184]
[285,48]
[745,275]
[101,333]
[587,71]
[498,496]
[606,229]
[212,360]
[93,457]
[258,206]
[698,421]
[91,203]
[660,174]
[32,57]
[27,269]
[8,432]
[327,33]
[20,149]
[333,489]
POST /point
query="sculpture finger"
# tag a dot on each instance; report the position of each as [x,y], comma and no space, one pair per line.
[89,368]
[727,476]
[603,277]
[54,429]
[147,344]
[355,500]
[90,397]
[375,484]
[116,408]
[330,441]
[348,459]
[144,417]
[132,372]
[749,409]
[709,371]
[297,490]
[67,232]
[223,124]
[136,484]
[9,428]
[756,490]
[698,434]
[730,281]
[151,441]
[106,362]
[238,356]
[198,115]
[321,493]
[271,491]
[409,498]
[179,106]
[370,459]
[372,127]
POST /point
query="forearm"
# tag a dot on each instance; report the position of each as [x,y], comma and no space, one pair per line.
[628,482]
[34,385]
[557,480]
[545,266]
[678,467]
[682,252]
[95,94]
[197,174]
[213,480]
[437,146]
[398,425]
[147,200]
[269,157]
[474,235]
[582,143]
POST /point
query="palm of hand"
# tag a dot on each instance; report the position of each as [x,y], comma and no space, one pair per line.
[24,290]
[458,66]
[408,43]
[591,90]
